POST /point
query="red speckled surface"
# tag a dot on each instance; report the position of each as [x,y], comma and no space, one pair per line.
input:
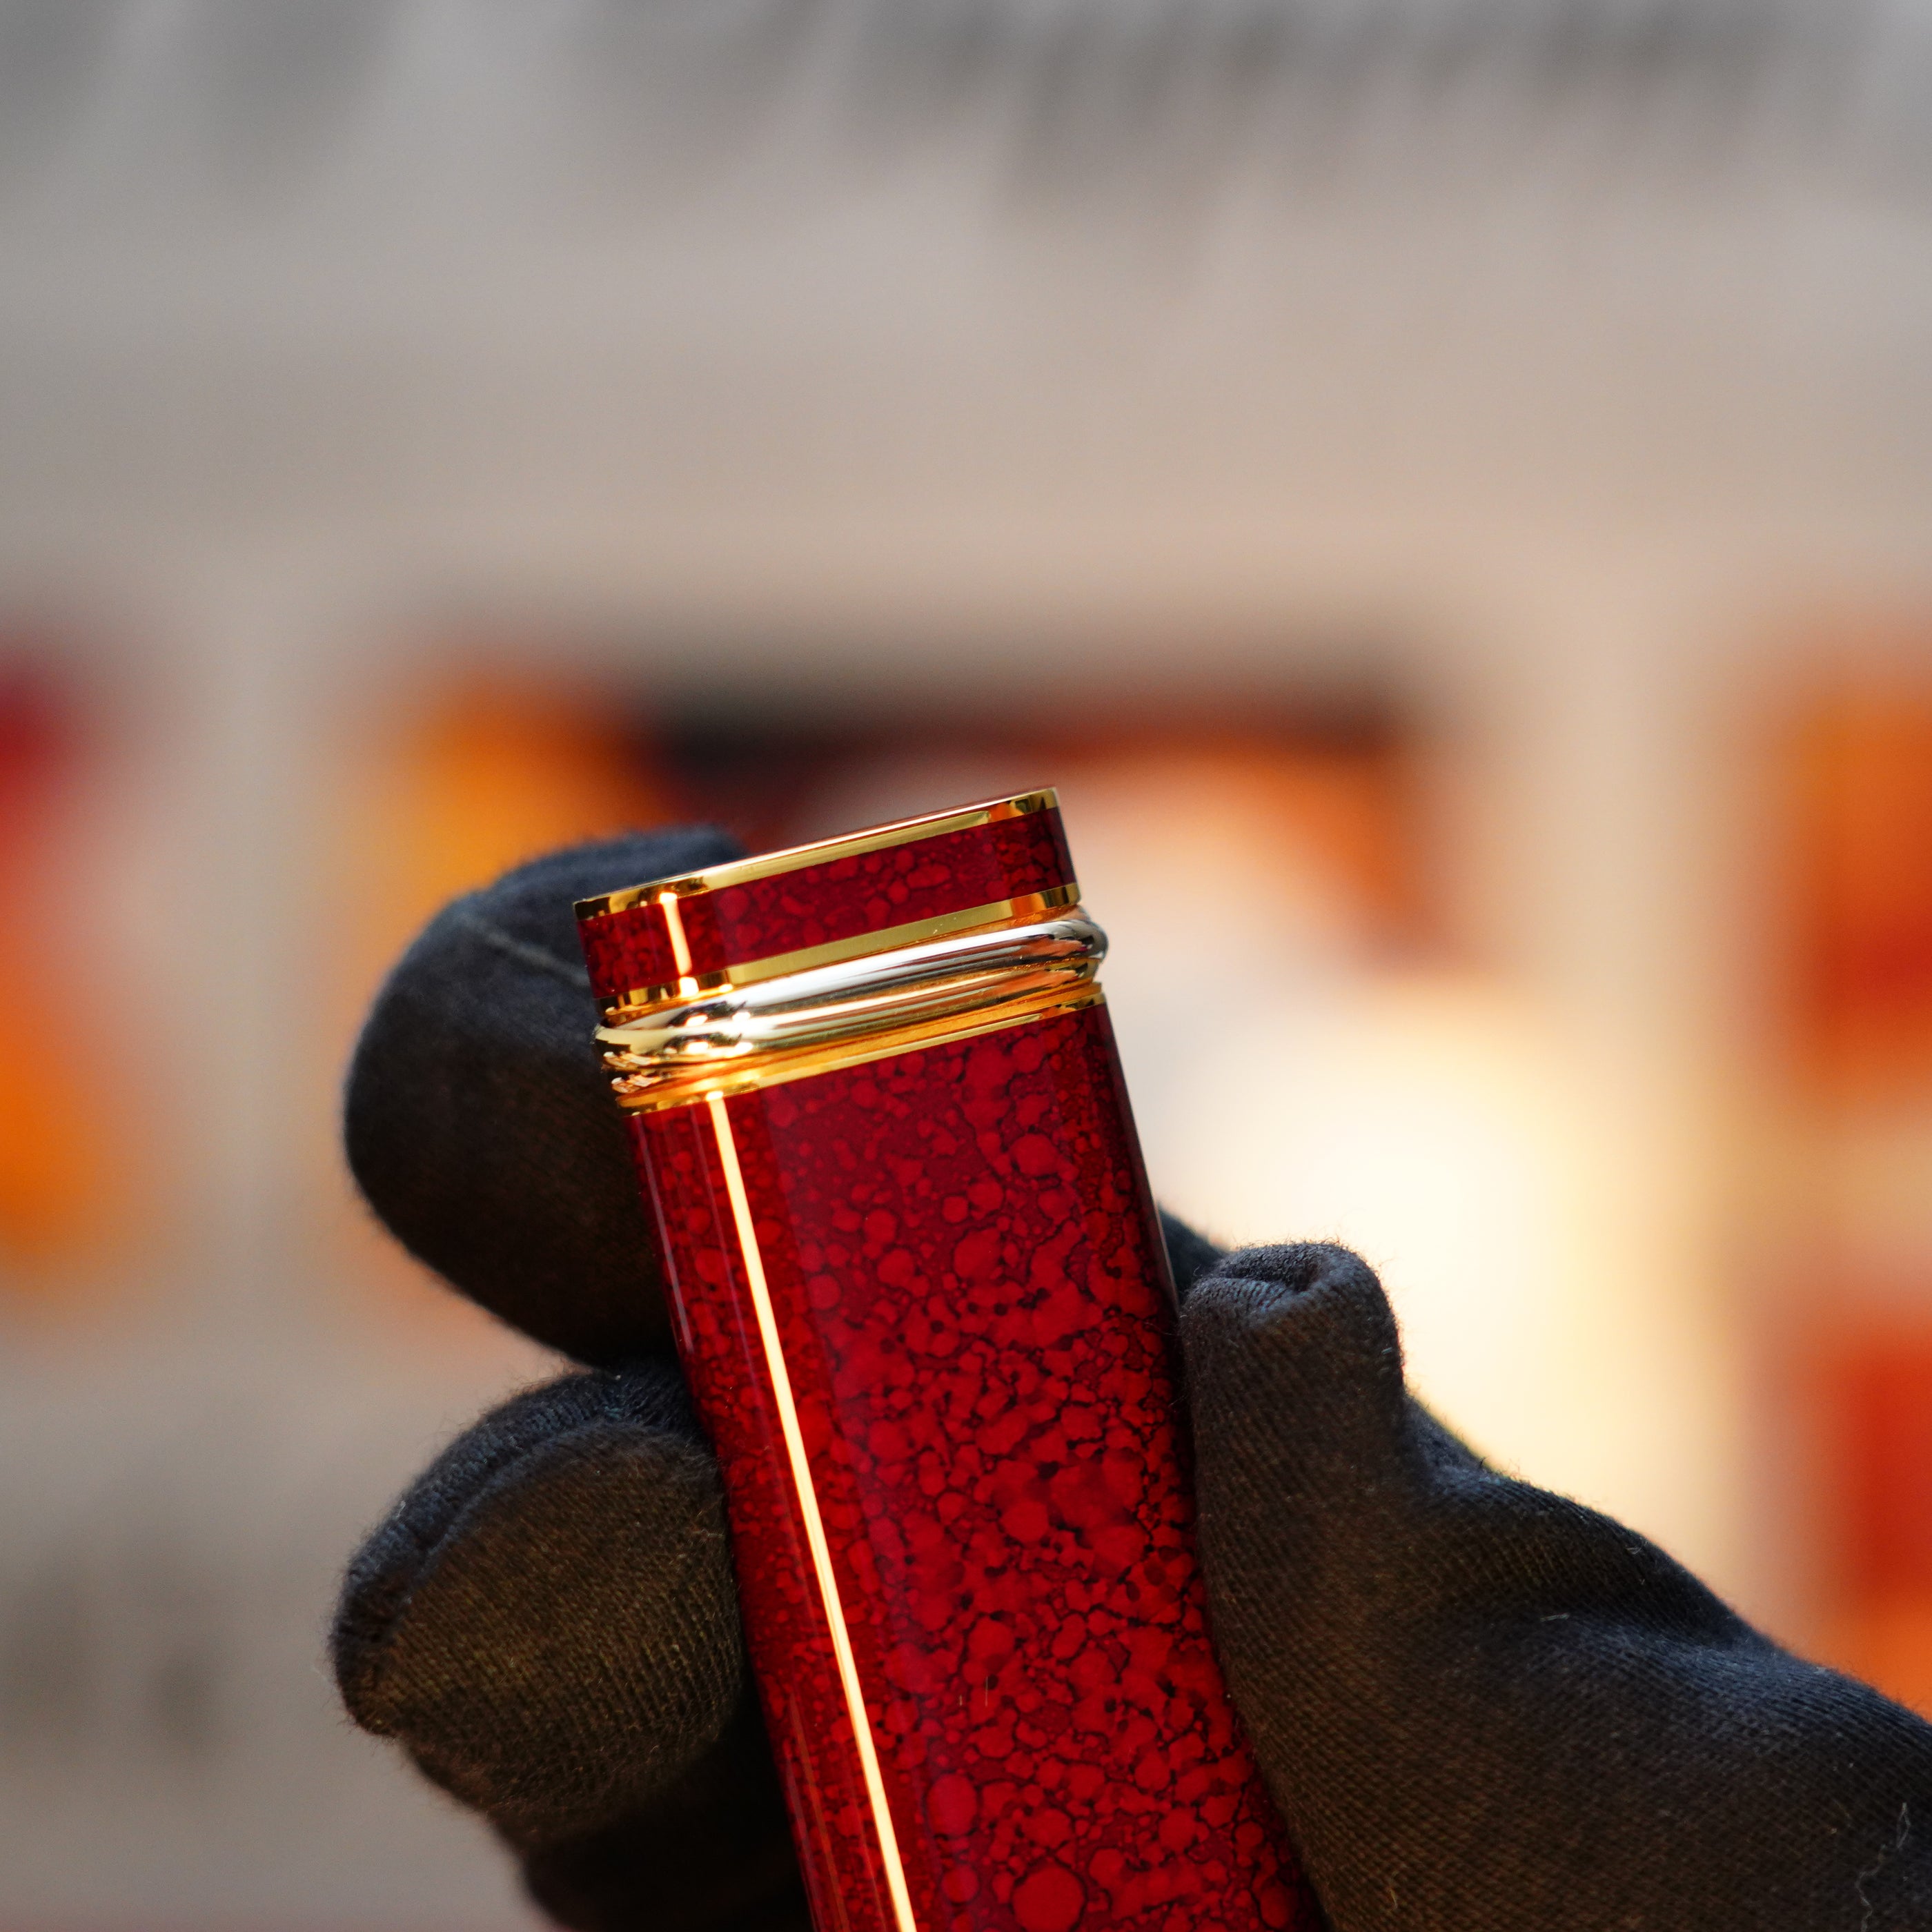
[973,1304]
[925,879]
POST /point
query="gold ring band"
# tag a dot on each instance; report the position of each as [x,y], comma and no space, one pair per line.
[886,1002]
[635,1003]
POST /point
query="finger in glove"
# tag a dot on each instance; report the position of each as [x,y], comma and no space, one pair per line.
[1484,1708]
[478,1117]
[547,1620]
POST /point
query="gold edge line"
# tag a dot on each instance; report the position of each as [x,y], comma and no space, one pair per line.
[820,851]
[803,1064]
[834,952]
[808,1503]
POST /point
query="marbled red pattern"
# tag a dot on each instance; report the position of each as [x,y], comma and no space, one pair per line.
[627,951]
[972,1299]
[925,878]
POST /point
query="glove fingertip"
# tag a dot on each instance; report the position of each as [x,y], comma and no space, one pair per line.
[547,1621]
[477,1119]
[1295,1379]
[1270,1308]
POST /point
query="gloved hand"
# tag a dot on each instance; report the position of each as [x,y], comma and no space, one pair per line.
[1481,1707]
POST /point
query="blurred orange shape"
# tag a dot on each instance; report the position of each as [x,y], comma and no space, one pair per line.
[55,1213]
[1862,788]
[1875,1384]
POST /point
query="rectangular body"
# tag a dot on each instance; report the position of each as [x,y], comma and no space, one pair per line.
[923,1303]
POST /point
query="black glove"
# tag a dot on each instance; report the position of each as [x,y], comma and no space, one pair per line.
[1481,1707]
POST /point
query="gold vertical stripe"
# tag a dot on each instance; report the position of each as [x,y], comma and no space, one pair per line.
[680,949]
[814,1526]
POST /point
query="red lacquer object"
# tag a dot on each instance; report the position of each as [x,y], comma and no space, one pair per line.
[924,1305]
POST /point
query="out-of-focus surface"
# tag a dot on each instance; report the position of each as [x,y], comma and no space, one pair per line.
[1453,481]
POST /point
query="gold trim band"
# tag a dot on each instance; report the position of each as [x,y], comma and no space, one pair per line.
[638,1000]
[746,1077]
[821,851]
[853,1010]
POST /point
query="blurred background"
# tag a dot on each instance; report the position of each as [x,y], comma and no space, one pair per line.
[1448,481]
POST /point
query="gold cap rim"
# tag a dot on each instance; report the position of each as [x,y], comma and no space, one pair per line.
[820,851]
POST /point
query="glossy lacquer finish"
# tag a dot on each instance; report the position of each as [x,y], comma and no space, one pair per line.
[960,1268]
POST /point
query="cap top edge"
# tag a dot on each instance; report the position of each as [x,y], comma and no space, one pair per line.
[820,851]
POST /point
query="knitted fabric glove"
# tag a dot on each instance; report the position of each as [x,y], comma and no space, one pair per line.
[1481,1707]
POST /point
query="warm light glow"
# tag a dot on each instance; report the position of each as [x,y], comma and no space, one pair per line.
[1293,1081]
